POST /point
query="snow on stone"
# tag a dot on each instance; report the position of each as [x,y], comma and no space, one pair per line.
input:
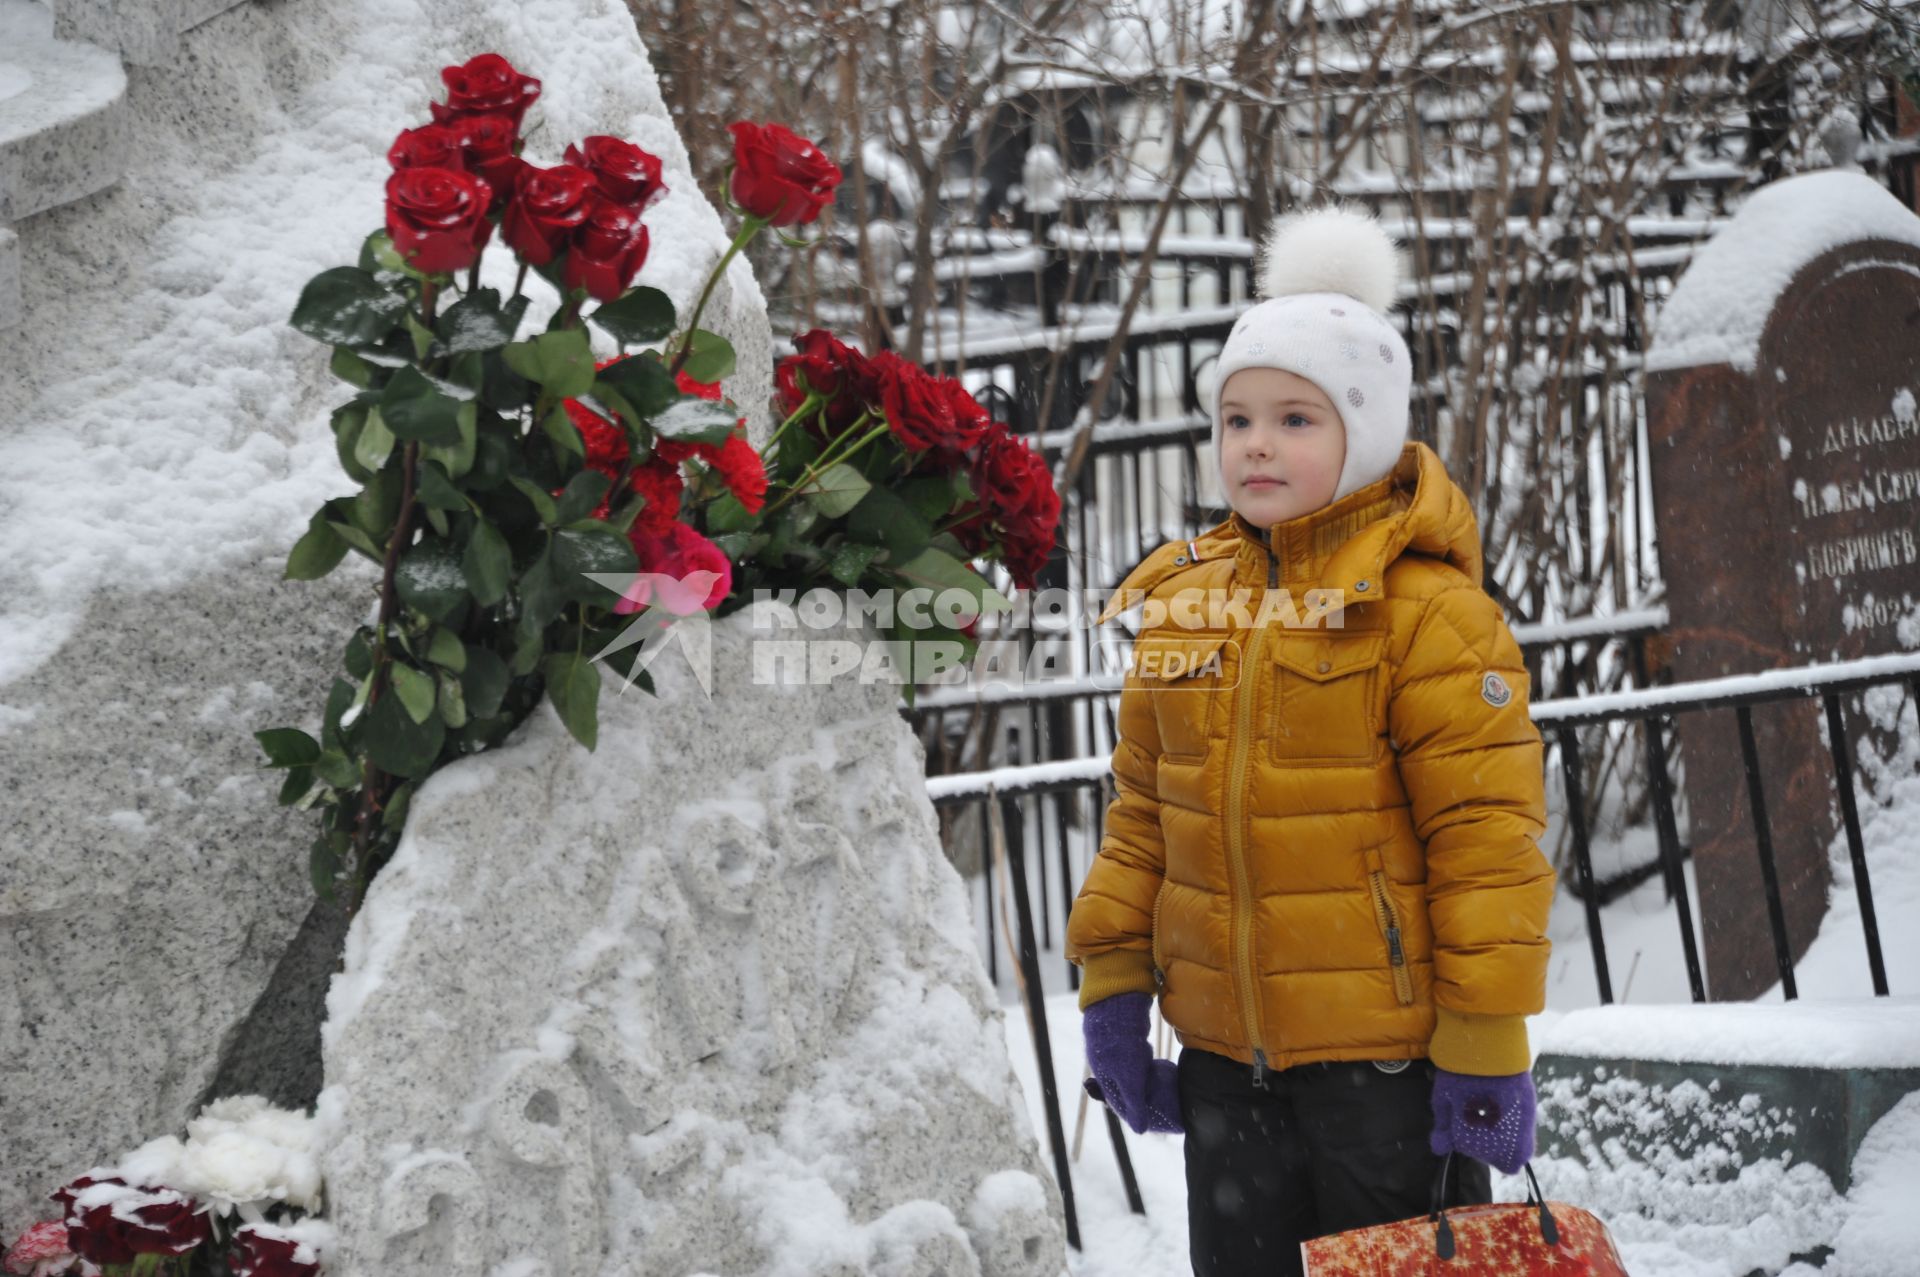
[1853,1033]
[1720,307]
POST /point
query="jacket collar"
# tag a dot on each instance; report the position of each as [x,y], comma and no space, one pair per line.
[1347,544]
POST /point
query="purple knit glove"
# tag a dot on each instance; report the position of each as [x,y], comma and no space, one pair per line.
[1145,1092]
[1489,1119]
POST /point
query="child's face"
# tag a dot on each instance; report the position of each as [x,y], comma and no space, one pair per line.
[1282,444]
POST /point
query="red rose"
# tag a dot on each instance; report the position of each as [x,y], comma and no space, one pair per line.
[831,368]
[608,251]
[917,406]
[487,142]
[626,174]
[437,218]
[429,146]
[548,205]
[265,1251]
[970,420]
[486,85]
[779,175]
[683,555]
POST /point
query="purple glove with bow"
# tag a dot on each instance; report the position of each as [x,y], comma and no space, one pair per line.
[1145,1092]
[1489,1119]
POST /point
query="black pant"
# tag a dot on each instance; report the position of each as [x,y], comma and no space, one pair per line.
[1326,1147]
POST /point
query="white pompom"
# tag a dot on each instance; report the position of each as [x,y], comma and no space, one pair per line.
[1331,250]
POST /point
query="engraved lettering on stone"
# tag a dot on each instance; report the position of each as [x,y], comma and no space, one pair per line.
[431,1208]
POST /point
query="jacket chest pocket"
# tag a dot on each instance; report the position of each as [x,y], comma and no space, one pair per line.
[1326,685]
[1185,674]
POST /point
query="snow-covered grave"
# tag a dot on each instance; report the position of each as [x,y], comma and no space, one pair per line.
[163,440]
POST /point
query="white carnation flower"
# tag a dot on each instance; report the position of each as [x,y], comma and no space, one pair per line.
[233,1169]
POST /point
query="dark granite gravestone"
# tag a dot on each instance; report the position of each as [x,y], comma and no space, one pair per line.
[1785,442]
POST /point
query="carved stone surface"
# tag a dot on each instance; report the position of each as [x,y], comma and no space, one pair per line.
[1786,480]
[702,1000]
[163,439]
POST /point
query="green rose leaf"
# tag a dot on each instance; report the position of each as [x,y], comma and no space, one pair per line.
[323,865]
[573,685]
[560,428]
[414,408]
[539,498]
[938,570]
[577,552]
[347,306]
[884,518]
[337,769]
[287,746]
[447,651]
[435,490]
[359,659]
[487,564]
[562,362]
[837,489]
[339,696]
[931,496]
[399,745]
[350,368]
[709,358]
[374,443]
[452,702]
[414,688]
[316,553]
[484,682]
[726,514]
[474,323]
[637,317]
[642,383]
[296,786]
[541,598]
[692,419]
[582,493]
[429,579]
[848,563]
[457,457]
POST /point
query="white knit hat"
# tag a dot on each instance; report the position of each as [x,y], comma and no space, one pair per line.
[1329,275]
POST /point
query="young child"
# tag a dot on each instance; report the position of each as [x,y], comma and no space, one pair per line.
[1322,855]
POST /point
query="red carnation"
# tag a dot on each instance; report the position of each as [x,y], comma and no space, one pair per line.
[41,1251]
[111,1222]
[437,217]
[660,483]
[780,176]
[548,205]
[608,251]
[679,553]
[739,464]
[606,442]
[486,85]
[429,146]
[258,1252]
[702,389]
[487,142]
[625,173]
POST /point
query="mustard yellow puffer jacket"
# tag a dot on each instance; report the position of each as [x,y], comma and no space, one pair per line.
[1323,844]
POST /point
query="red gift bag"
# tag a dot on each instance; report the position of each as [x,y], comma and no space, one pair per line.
[1537,1238]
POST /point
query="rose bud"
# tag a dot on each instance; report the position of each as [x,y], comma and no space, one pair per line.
[548,205]
[779,175]
[429,146]
[625,173]
[437,217]
[486,141]
[608,251]
[486,85]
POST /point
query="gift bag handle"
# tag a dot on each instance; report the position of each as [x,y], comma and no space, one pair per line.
[1443,1230]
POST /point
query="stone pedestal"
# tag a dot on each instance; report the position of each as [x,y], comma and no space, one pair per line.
[702,1001]
[1786,480]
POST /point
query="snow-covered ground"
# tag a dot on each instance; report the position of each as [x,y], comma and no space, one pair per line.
[1775,1212]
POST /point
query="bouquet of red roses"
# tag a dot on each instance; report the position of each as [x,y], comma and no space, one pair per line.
[507,480]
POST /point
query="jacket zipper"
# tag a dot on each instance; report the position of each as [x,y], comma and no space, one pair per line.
[1396,953]
[1236,857]
[1159,972]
